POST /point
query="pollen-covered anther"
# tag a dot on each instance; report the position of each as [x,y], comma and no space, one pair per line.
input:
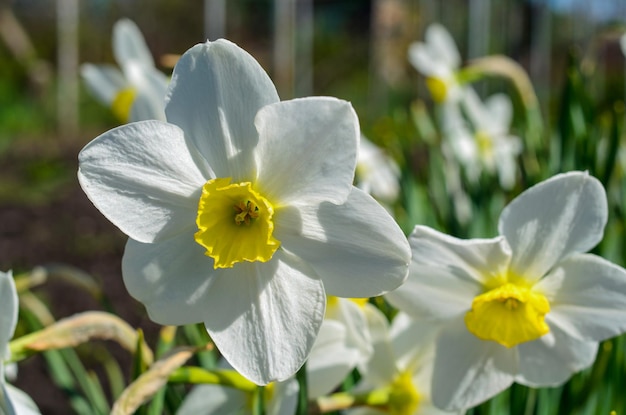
[511,303]
[245,211]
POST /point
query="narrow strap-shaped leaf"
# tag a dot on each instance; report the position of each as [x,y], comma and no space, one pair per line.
[151,381]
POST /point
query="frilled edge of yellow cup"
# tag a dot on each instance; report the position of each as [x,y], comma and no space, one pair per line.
[509,314]
[235,223]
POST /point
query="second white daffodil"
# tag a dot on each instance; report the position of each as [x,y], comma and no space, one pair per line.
[137,91]
[241,211]
[529,306]
[438,59]
[484,143]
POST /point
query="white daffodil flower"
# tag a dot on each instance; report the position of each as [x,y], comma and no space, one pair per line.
[135,93]
[12,400]
[401,365]
[529,306]
[376,172]
[483,143]
[438,59]
[241,211]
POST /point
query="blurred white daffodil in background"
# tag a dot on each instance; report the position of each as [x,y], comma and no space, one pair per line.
[351,314]
[241,211]
[376,172]
[529,306]
[401,366]
[12,400]
[438,59]
[135,93]
[481,140]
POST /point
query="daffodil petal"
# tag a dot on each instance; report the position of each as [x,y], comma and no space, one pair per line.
[500,109]
[381,369]
[421,58]
[216,91]
[427,408]
[554,358]
[318,139]
[151,87]
[145,107]
[356,248]
[441,42]
[446,273]
[21,402]
[467,370]
[352,317]
[129,45]
[438,56]
[264,317]
[587,296]
[377,173]
[6,405]
[213,400]
[506,151]
[144,179]
[285,399]
[412,340]
[493,115]
[103,81]
[8,310]
[171,278]
[563,215]
[331,359]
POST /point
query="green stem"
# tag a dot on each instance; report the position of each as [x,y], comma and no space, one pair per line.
[196,375]
[303,395]
[378,398]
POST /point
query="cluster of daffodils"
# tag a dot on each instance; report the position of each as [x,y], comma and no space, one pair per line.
[242,214]
[476,133]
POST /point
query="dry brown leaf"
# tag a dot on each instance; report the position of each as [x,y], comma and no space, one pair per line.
[83,327]
[151,381]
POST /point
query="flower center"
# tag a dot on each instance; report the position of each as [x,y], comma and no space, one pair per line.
[245,212]
[485,145]
[438,89]
[509,314]
[235,223]
[403,396]
[122,104]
